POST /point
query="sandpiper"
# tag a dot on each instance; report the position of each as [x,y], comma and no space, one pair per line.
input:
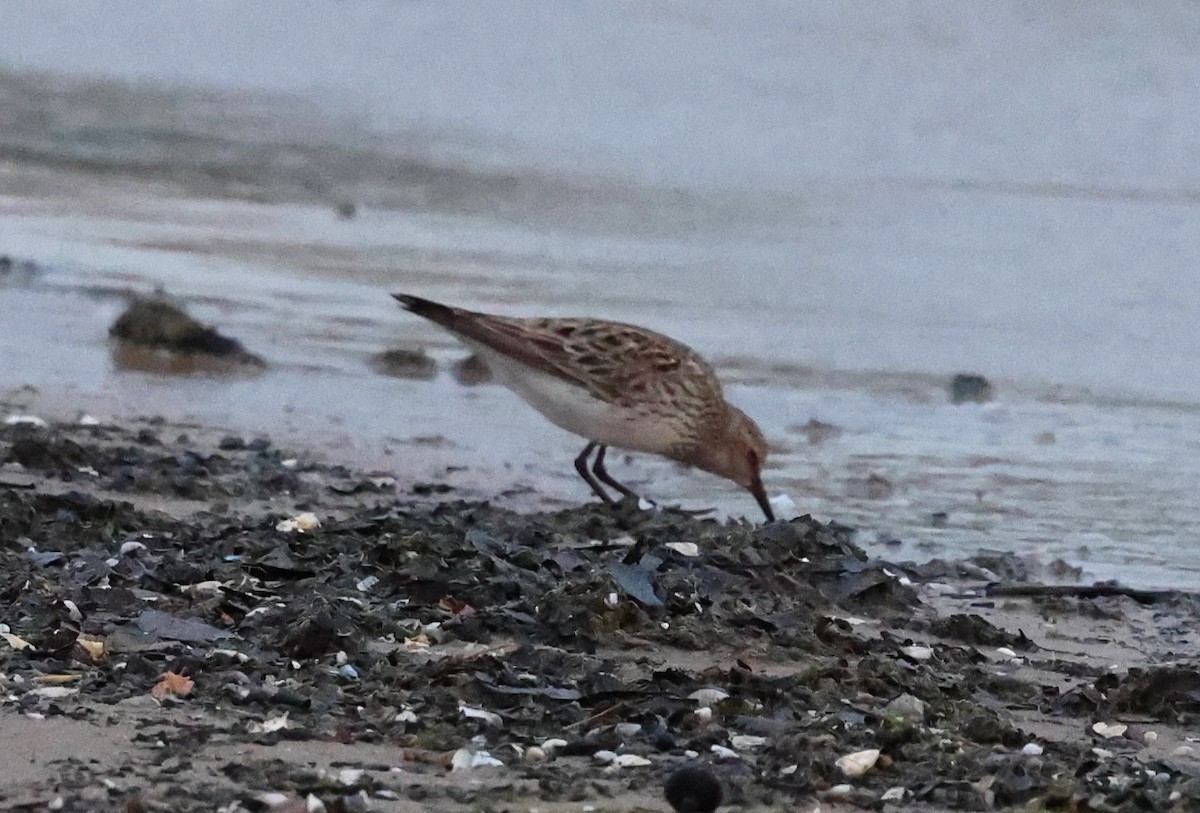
[614,385]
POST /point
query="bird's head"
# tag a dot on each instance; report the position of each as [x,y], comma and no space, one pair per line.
[737,453]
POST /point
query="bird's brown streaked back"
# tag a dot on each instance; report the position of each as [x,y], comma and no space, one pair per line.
[626,386]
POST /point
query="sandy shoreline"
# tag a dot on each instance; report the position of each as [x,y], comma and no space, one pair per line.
[158,546]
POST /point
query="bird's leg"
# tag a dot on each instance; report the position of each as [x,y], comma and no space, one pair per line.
[581,466]
[606,478]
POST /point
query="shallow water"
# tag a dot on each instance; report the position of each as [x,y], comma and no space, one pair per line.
[1034,221]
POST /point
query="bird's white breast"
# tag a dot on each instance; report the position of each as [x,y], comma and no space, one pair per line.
[574,409]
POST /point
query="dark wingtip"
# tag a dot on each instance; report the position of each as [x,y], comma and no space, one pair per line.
[434,311]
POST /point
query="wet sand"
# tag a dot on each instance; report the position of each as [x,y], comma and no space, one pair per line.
[411,629]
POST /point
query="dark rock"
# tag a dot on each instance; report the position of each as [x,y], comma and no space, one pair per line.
[693,790]
[160,325]
[472,371]
[401,363]
[970,388]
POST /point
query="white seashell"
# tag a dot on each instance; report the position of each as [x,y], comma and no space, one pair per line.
[604,757]
[839,791]
[350,776]
[703,715]
[1103,753]
[72,610]
[1108,731]
[53,692]
[88,420]
[533,754]
[789,770]
[612,601]
[747,742]
[708,697]
[895,794]
[208,588]
[721,752]
[1150,736]
[25,420]
[627,730]
[917,653]
[858,763]
[1032,749]
[489,717]
[689,549]
[94,649]
[630,761]
[553,744]
[465,759]
[273,798]
[269,725]
[1006,652]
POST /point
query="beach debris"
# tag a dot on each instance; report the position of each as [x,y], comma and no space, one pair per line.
[360,634]
[94,647]
[163,625]
[465,759]
[636,582]
[489,717]
[708,696]
[269,725]
[1109,731]
[53,692]
[722,752]
[747,742]
[15,641]
[858,763]
[305,522]
[552,745]
[172,685]
[630,761]
[907,708]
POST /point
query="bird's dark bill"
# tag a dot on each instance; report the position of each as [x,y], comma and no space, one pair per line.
[760,494]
